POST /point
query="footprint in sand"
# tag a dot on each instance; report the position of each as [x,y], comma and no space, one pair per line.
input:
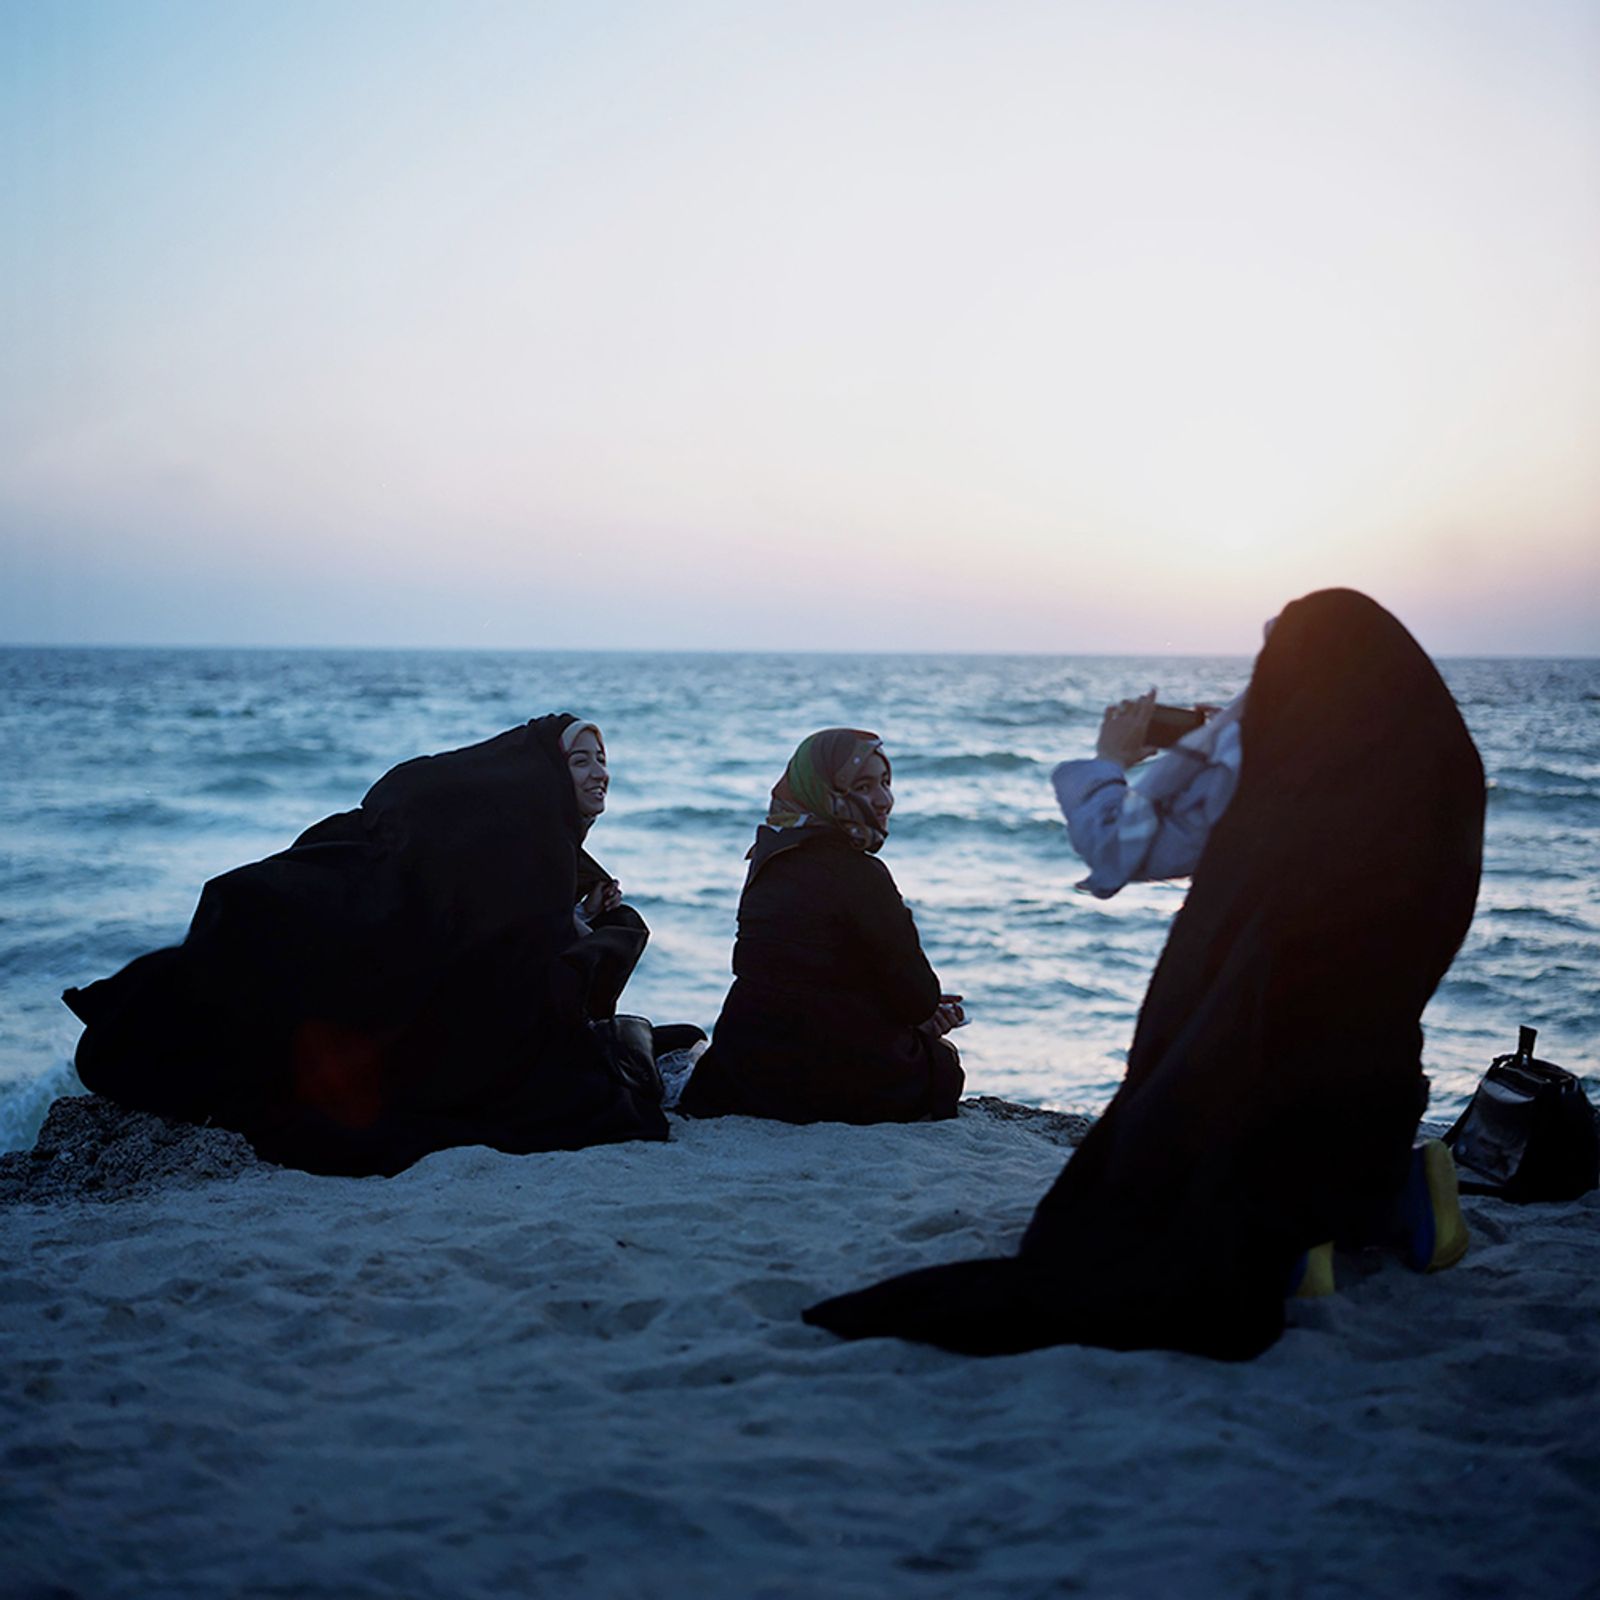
[939,1223]
[781,1299]
[600,1320]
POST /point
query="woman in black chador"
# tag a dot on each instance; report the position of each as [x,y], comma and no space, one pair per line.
[834,1014]
[435,968]
[1274,1083]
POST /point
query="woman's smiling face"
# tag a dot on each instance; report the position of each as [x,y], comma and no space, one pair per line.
[586,761]
[871,784]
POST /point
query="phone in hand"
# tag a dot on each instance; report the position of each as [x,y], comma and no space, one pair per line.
[1168,724]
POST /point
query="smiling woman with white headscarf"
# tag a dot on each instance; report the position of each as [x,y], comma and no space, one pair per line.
[438,967]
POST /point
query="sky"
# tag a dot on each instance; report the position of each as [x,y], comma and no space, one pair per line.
[1096,326]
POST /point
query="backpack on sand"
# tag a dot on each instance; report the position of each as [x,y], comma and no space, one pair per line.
[1529,1132]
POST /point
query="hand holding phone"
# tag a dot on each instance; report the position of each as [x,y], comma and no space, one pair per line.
[1123,731]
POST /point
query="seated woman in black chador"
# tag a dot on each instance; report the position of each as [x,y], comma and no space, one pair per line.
[1274,1083]
[834,1014]
[425,971]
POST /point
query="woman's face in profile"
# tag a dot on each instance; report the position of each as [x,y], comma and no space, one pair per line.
[871,784]
[586,761]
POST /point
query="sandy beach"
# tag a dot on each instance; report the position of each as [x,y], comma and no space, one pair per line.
[585,1374]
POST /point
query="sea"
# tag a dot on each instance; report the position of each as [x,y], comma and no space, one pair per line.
[130,776]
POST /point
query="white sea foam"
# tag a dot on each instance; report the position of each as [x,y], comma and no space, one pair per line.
[24,1102]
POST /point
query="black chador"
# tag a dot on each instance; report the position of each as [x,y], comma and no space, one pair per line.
[1274,1083]
[405,977]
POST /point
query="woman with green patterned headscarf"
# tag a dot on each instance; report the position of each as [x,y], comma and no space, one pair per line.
[834,1014]
[826,784]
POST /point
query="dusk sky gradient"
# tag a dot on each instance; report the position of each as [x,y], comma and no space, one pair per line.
[988,326]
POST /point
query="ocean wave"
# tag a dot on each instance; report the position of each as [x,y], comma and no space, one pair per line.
[965,766]
[1044,1000]
[380,695]
[81,954]
[688,817]
[131,813]
[1038,713]
[240,786]
[1495,866]
[949,826]
[210,712]
[696,902]
[25,1102]
[1510,952]
[1552,807]
[1458,986]
[52,879]
[1564,1026]
[1540,915]
[1561,781]
[281,757]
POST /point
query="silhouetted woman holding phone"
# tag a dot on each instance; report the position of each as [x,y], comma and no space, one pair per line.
[1274,1083]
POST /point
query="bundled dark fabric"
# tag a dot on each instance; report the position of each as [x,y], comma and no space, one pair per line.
[628,1045]
[1529,1132]
[405,977]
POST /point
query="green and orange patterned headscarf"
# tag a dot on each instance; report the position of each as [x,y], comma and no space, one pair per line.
[814,789]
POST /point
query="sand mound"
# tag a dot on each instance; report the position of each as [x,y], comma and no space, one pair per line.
[92,1149]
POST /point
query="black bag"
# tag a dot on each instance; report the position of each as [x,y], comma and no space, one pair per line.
[1529,1132]
[628,1047]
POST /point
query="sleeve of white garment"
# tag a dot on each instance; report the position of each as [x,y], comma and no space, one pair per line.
[1123,834]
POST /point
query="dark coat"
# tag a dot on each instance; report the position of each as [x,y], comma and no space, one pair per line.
[1274,1082]
[829,984]
[403,978]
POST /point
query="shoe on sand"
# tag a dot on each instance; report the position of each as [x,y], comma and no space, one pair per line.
[1428,1229]
[1313,1276]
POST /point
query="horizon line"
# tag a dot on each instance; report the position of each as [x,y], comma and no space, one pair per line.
[738,650]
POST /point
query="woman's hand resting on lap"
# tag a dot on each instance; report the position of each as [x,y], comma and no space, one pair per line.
[946,1016]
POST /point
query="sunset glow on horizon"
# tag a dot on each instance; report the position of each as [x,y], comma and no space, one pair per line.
[977,327]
